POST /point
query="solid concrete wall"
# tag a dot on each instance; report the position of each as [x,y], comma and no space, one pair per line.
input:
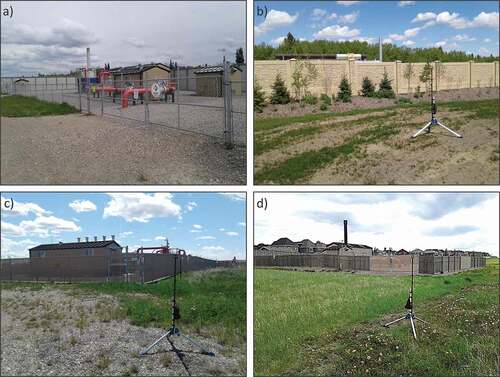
[446,75]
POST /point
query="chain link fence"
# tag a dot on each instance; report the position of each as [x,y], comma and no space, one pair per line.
[215,108]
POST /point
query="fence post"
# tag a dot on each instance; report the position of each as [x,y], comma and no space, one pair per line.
[10,268]
[397,75]
[228,118]
[126,264]
[146,109]
[78,82]
[102,97]
[470,74]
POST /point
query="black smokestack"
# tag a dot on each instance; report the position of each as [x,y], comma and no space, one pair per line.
[345,232]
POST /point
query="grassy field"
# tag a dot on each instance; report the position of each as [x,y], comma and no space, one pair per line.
[20,106]
[330,323]
[374,146]
[211,301]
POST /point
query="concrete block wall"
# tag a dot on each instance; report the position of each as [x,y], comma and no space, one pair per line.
[447,76]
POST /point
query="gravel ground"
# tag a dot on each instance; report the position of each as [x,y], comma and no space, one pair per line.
[50,332]
[293,109]
[204,115]
[80,149]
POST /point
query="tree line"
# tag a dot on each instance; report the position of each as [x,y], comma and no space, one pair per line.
[391,52]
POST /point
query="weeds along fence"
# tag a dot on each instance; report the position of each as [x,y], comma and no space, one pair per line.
[423,264]
[126,268]
[216,108]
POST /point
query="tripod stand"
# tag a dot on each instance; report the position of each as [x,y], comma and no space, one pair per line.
[174,330]
[434,121]
[410,314]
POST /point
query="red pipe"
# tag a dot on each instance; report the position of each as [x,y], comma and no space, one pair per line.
[128,91]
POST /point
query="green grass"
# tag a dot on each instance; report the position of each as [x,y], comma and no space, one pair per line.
[305,323]
[20,106]
[305,164]
[209,300]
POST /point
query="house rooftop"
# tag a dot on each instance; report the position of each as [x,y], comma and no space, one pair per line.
[217,69]
[74,245]
[139,68]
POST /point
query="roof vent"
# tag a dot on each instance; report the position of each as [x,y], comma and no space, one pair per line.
[95,238]
[104,238]
[113,237]
[78,239]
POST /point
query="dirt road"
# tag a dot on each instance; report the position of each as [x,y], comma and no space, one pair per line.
[80,149]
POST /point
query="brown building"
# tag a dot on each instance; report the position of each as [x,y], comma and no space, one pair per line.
[209,81]
[87,248]
[141,75]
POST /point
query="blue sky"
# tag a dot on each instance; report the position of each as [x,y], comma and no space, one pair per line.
[209,225]
[467,221]
[470,26]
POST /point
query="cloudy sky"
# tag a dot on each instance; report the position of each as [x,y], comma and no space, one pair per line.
[470,26]
[48,36]
[420,220]
[208,225]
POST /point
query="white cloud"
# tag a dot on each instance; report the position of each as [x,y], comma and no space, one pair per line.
[408,43]
[82,206]
[387,40]
[236,196]
[16,248]
[405,3]
[318,13]
[205,238]
[191,205]
[332,16]
[275,19]
[398,224]
[409,33]
[487,40]
[195,231]
[65,33]
[42,226]
[232,234]
[349,18]
[160,238]
[218,252]
[463,38]
[141,207]
[125,234]
[222,230]
[426,16]
[22,209]
[197,226]
[347,3]
[277,41]
[336,32]
[440,44]
[484,19]
[455,21]
[242,224]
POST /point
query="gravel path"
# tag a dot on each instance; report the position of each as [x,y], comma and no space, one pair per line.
[50,332]
[80,149]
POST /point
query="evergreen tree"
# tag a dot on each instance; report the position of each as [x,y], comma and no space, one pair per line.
[259,100]
[240,57]
[280,94]
[345,92]
[367,89]
[385,87]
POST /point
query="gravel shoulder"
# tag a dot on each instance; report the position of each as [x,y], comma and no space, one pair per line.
[50,332]
[81,149]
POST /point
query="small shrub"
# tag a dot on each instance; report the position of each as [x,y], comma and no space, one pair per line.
[103,361]
[385,88]
[345,93]
[323,107]
[280,95]
[417,94]
[309,99]
[259,100]
[367,88]
[325,99]
[403,100]
[133,369]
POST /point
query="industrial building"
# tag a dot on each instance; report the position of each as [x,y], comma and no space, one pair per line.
[103,248]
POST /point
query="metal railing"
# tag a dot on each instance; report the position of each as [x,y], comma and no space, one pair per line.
[217,107]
